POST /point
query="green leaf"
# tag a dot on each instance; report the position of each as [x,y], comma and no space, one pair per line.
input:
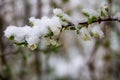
[94,18]
[85,14]
[90,20]
[11,37]
[49,34]
[102,14]
[72,28]
[21,43]
[62,18]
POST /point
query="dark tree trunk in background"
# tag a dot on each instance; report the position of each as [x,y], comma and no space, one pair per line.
[39,3]
[38,67]
[5,73]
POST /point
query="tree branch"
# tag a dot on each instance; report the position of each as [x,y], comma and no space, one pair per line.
[99,20]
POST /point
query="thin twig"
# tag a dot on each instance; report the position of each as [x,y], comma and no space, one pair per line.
[99,20]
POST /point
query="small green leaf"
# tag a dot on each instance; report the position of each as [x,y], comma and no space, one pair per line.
[22,43]
[94,18]
[49,34]
[85,14]
[72,28]
[102,14]
[11,37]
[89,20]
[62,18]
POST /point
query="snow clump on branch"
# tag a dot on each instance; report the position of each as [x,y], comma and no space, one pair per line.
[50,29]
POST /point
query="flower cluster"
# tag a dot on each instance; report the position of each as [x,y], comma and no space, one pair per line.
[91,32]
[49,29]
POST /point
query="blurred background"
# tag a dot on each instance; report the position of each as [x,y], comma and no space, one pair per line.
[98,59]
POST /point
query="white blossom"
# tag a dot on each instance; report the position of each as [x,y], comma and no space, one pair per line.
[51,41]
[55,25]
[105,8]
[32,47]
[84,34]
[97,32]
[64,17]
